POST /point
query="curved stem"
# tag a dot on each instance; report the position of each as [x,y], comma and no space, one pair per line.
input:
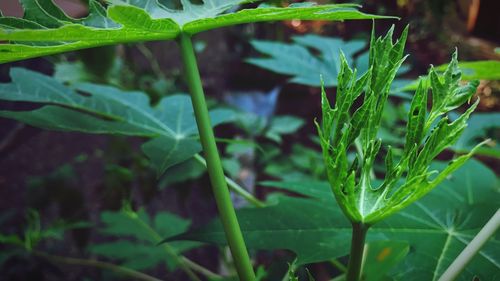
[236,188]
[354,267]
[200,269]
[98,264]
[218,181]
[458,265]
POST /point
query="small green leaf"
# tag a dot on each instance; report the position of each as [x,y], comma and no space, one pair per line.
[282,125]
[143,252]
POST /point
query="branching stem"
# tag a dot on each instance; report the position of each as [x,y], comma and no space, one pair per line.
[354,267]
[218,181]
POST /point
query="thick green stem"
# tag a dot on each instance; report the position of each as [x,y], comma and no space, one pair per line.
[354,268]
[221,192]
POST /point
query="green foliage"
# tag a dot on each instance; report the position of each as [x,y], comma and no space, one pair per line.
[437,227]
[303,163]
[299,59]
[471,70]
[45,29]
[305,67]
[141,251]
[97,109]
[35,232]
[283,125]
[428,133]
[478,129]
[382,256]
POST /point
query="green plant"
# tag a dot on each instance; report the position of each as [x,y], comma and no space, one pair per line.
[299,59]
[408,178]
[351,148]
[45,30]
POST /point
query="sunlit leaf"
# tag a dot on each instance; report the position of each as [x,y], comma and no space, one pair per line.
[46,29]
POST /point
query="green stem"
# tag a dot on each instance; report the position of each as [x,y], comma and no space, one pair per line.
[354,267]
[200,269]
[221,192]
[125,271]
[235,187]
[339,265]
[459,264]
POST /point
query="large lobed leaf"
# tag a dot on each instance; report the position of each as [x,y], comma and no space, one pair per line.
[299,62]
[437,227]
[45,29]
[97,109]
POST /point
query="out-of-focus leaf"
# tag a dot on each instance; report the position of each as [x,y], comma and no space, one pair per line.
[382,256]
[298,61]
[187,170]
[477,130]
[472,70]
[282,125]
[92,108]
[142,252]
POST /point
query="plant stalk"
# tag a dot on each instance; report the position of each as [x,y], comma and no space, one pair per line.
[355,265]
[217,179]
[459,264]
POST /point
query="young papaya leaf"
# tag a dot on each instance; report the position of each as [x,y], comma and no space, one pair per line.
[137,236]
[97,109]
[45,29]
[428,133]
[437,227]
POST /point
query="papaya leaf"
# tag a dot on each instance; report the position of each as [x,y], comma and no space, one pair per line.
[428,133]
[97,109]
[306,68]
[311,56]
[45,29]
[437,227]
